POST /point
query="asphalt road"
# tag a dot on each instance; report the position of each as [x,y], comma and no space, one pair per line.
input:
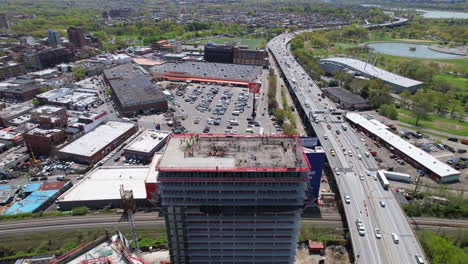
[365,193]
[38,225]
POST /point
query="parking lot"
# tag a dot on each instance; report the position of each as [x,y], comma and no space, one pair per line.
[216,109]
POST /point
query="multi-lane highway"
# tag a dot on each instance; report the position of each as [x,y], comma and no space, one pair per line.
[354,169]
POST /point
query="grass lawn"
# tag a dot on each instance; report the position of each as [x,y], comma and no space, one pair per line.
[462,62]
[345,45]
[435,122]
[453,80]
[252,43]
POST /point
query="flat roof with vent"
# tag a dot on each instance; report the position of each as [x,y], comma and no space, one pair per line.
[209,71]
[410,150]
[208,152]
[97,139]
[132,86]
[148,141]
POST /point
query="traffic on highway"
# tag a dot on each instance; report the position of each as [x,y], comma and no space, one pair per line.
[378,226]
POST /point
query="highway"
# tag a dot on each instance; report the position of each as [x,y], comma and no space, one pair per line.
[144,220]
[354,173]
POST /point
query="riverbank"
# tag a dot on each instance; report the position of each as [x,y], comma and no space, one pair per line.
[461,51]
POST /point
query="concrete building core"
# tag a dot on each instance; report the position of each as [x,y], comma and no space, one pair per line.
[232,199]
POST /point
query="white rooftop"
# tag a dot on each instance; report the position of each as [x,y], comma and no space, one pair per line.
[104,184]
[148,141]
[152,174]
[97,139]
[417,154]
[376,72]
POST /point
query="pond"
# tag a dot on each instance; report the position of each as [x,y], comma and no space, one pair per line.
[442,14]
[409,50]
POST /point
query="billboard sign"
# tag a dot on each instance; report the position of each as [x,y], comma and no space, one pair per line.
[254,87]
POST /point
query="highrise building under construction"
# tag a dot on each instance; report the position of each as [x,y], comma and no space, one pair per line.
[232,199]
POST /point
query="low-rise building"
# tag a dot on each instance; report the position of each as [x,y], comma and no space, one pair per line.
[20,90]
[95,145]
[347,99]
[146,144]
[42,141]
[49,116]
[434,168]
[101,188]
[53,95]
[133,92]
[221,73]
[396,82]
[11,69]
[13,111]
[90,120]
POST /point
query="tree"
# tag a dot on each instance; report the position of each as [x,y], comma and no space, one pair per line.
[379,93]
[422,105]
[389,110]
[78,73]
[35,102]
[405,97]
[441,100]
[46,88]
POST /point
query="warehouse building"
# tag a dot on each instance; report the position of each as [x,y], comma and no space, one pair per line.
[133,92]
[397,83]
[347,99]
[415,156]
[145,145]
[95,145]
[220,73]
[235,198]
[101,188]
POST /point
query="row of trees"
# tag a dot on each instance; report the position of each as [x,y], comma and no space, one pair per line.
[426,101]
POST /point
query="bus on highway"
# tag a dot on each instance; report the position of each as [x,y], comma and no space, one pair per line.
[383,180]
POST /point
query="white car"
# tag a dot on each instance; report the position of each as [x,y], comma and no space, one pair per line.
[375,177]
[347,199]
[361,177]
[382,203]
[378,234]
[337,171]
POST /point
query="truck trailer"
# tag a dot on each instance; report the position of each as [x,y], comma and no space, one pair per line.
[396,176]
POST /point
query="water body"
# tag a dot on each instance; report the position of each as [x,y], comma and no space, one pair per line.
[442,14]
[403,50]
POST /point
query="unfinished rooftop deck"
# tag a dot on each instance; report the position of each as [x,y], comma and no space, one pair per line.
[207,152]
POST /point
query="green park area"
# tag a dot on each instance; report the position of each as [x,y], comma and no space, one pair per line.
[454,80]
[435,122]
[252,43]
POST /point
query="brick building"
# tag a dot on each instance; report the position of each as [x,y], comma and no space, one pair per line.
[235,54]
[11,69]
[95,145]
[41,141]
[49,116]
[47,58]
[76,37]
